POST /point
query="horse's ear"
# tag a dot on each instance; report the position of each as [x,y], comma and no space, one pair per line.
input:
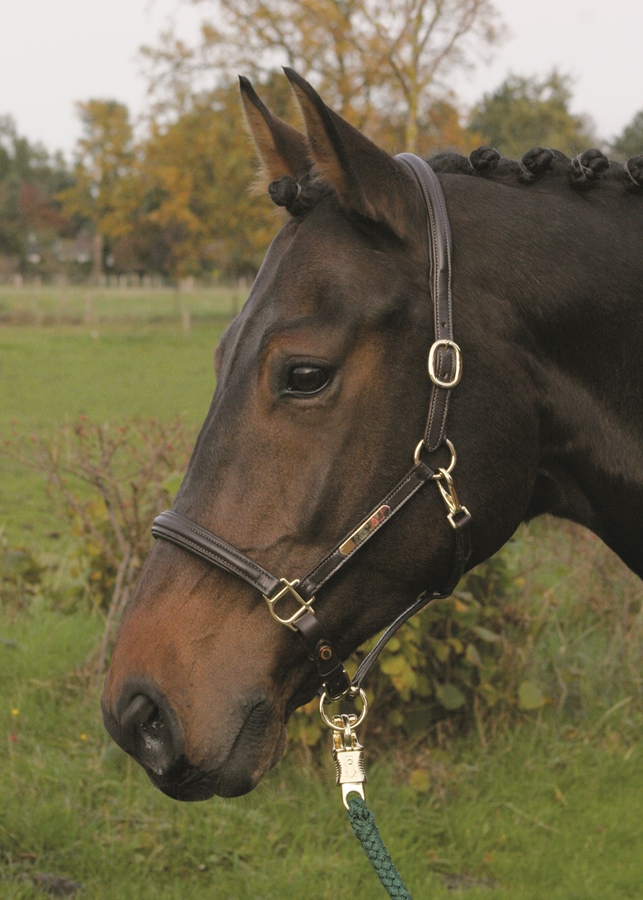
[367,180]
[282,149]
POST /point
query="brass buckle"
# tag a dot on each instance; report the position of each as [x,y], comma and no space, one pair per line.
[289,588]
[457,375]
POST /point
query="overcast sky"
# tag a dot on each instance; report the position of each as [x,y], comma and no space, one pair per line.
[55,52]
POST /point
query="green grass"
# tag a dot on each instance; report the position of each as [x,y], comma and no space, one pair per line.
[540,812]
[142,365]
[96,308]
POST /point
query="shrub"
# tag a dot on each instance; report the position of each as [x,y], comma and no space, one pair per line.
[108,482]
[20,575]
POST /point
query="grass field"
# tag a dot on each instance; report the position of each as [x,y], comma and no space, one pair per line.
[133,359]
[541,812]
[549,808]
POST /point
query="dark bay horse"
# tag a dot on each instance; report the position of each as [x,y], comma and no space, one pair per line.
[321,398]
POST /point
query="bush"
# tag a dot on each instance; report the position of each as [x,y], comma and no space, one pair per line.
[107,482]
[442,669]
[20,575]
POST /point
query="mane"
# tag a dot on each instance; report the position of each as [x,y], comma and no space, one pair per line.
[542,165]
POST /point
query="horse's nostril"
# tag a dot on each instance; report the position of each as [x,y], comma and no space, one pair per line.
[147,729]
[140,713]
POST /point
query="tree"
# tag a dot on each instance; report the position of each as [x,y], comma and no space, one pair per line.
[194,173]
[526,112]
[630,141]
[366,56]
[30,216]
[105,191]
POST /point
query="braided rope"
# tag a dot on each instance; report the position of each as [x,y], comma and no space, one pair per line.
[363,824]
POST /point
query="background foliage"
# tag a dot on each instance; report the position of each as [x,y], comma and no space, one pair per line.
[167,197]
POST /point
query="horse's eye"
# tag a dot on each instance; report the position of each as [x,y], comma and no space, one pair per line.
[307,379]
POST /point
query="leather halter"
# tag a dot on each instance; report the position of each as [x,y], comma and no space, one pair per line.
[445,368]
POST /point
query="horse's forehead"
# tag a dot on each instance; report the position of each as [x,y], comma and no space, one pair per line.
[328,257]
[325,268]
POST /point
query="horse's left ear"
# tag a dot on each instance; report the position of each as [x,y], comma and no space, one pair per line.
[366,179]
[282,149]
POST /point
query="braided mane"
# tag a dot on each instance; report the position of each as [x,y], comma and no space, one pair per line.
[540,164]
[584,171]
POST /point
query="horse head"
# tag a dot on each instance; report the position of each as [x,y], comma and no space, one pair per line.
[321,397]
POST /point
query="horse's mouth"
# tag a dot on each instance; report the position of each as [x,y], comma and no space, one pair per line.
[258,746]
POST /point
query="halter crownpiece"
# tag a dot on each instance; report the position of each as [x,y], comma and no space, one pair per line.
[291,602]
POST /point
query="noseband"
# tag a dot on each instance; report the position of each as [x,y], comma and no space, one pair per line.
[291,602]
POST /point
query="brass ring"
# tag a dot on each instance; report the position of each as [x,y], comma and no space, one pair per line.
[451,466]
[322,712]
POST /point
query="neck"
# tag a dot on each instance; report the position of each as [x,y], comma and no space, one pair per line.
[592,425]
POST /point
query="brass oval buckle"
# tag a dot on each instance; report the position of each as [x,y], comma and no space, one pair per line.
[457,375]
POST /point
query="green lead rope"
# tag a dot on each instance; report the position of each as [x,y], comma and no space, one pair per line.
[363,824]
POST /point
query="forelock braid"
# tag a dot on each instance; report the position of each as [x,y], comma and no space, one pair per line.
[297,196]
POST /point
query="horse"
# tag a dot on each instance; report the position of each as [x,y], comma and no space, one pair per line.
[321,398]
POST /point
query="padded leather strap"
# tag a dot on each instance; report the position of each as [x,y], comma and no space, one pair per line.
[439,232]
[173,527]
[208,546]
[213,549]
[394,501]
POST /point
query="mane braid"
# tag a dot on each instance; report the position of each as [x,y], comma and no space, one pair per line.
[633,169]
[587,168]
[584,171]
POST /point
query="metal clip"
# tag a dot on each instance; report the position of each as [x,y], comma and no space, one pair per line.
[348,754]
[450,497]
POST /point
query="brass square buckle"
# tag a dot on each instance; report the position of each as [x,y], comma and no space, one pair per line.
[289,589]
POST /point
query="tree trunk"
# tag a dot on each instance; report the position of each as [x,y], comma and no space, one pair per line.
[97,258]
